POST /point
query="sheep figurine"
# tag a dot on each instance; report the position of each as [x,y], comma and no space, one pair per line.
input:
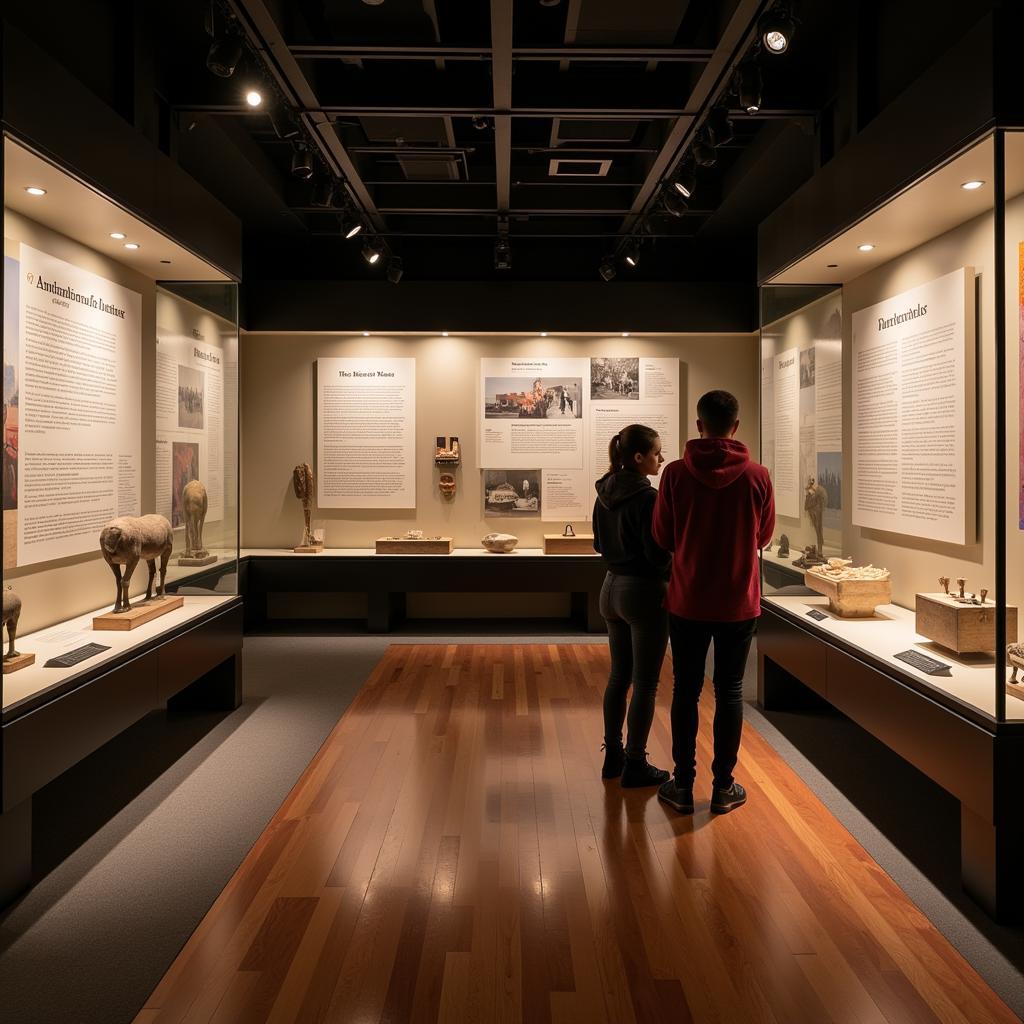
[12,612]
[194,504]
[1015,656]
[127,540]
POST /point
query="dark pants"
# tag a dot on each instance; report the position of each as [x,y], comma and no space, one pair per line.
[690,642]
[637,637]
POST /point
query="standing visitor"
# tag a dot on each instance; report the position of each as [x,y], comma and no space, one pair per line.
[715,510]
[632,599]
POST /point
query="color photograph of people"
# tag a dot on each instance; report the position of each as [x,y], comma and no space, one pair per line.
[190,397]
[614,379]
[184,467]
[542,398]
[512,492]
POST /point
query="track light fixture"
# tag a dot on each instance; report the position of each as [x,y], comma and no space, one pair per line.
[302,162]
[674,202]
[285,127]
[225,53]
[372,251]
[322,195]
[777,29]
[685,179]
[481,123]
[748,87]
[502,254]
[703,152]
[607,268]
[395,270]
[719,127]
[349,224]
[631,253]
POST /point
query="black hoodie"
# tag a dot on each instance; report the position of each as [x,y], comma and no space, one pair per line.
[622,526]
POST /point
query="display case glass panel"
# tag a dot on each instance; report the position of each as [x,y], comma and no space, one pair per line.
[120,382]
[914,287]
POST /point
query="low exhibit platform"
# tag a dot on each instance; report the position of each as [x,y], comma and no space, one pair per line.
[941,723]
[388,579]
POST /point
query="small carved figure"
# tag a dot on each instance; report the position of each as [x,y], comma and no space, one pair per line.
[446,485]
[961,582]
[809,558]
[783,551]
[304,486]
[815,500]
[1015,656]
[12,612]
[568,531]
[447,451]
[984,594]
[126,541]
[194,504]
[944,583]
[500,543]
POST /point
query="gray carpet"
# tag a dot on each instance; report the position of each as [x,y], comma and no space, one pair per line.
[130,860]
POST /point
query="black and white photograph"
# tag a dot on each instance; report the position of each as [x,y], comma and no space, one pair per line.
[615,378]
[191,385]
[514,493]
[538,398]
[806,368]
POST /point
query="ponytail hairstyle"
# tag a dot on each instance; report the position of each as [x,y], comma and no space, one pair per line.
[636,439]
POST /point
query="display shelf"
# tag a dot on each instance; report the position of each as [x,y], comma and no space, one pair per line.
[369,552]
[28,687]
[891,630]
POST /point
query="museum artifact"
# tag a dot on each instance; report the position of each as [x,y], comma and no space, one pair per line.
[853,592]
[194,504]
[13,660]
[783,551]
[944,583]
[808,558]
[500,543]
[125,542]
[1015,656]
[962,622]
[413,542]
[566,544]
[304,486]
[447,451]
[815,500]
[768,546]
[568,531]
[446,485]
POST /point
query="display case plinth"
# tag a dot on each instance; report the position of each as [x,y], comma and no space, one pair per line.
[964,628]
[308,549]
[851,599]
[195,562]
[18,661]
[414,545]
[559,544]
[142,613]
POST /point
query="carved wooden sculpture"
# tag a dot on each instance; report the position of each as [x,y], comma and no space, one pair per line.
[12,612]
[304,486]
[194,504]
[126,541]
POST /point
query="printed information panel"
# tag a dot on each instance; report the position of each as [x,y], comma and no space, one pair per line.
[912,375]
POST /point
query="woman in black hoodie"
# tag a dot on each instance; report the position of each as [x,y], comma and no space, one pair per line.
[631,600]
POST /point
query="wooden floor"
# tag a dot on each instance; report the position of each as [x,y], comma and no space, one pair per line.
[451,854]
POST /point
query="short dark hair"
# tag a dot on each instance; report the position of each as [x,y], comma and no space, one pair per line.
[718,411]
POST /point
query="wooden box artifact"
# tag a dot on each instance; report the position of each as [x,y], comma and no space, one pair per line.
[559,544]
[963,627]
[850,598]
[414,545]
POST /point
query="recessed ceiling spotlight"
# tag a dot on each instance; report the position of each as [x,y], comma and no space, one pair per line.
[131,245]
[118,235]
[970,186]
[865,247]
[253,97]
[35,190]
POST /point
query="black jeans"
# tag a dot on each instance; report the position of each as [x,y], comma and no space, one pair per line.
[690,642]
[637,638]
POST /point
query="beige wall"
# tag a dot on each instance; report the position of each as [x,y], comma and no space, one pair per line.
[278,427]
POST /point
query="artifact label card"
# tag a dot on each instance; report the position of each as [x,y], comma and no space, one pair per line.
[76,403]
[366,432]
[930,666]
[913,387]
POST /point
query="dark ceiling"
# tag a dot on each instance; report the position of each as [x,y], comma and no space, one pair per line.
[448,125]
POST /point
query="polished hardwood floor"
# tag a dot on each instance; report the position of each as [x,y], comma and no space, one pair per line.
[451,854]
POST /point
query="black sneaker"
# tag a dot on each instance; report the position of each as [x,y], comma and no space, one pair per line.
[725,800]
[639,773]
[676,797]
[614,759]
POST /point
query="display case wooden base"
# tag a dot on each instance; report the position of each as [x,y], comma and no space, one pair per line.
[308,549]
[414,545]
[559,544]
[196,562]
[18,661]
[963,628]
[145,612]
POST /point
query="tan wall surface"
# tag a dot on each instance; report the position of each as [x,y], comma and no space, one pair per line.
[278,426]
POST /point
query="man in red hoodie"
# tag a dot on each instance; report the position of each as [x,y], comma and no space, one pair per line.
[715,510]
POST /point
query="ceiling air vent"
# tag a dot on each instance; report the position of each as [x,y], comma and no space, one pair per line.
[576,131]
[430,166]
[563,168]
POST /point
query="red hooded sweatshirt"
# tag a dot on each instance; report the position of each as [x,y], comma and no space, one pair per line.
[715,510]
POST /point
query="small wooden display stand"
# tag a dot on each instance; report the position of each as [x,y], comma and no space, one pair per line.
[192,562]
[414,545]
[963,628]
[18,661]
[308,549]
[851,599]
[559,544]
[141,613]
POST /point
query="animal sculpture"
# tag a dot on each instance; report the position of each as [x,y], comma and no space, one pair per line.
[1014,654]
[194,504]
[12,612]
[126,541]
